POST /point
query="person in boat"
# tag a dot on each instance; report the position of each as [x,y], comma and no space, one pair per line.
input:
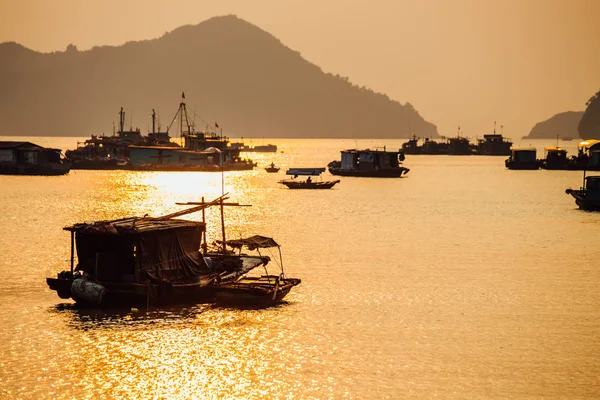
[308,180]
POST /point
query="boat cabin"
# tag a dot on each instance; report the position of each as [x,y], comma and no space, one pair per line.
[370,159]
[556,158]
[522,158]
[592,183]
[134,250]
[18,153]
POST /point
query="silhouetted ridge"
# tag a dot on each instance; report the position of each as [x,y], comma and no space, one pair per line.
[231,71]
[589,126]
[563,124]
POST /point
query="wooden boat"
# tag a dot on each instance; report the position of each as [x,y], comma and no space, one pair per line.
[522,158]
[309,183]
[254,291]
[272,168]
[147,261]
[369,163]
[587,197]
[26,158]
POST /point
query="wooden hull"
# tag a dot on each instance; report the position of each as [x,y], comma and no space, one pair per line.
[136,294]
[521,165]
[584,201]
[49,169]
[254,292]
[272,170]
[381,173]
[309,185]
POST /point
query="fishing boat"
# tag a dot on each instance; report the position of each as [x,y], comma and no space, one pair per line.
[369,163]
[522,158]
[143,261]
[26,158]
[588,196]
[272,168]
[254,291]
[308,183]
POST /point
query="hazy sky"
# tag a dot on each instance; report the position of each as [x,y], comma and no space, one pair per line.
[459,62]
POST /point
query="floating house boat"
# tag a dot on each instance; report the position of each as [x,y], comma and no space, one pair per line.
[26,158]
[145,261]
[308,183]
[587,197]
[522,158]
[369,163]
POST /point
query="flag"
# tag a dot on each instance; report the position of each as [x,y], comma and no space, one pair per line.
[183,95]
[216,125]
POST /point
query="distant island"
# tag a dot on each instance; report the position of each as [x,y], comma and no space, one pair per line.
[564,125]
[589,126]
[571,124]
[232,73]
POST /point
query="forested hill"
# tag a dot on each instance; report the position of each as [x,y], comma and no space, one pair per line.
[232,73]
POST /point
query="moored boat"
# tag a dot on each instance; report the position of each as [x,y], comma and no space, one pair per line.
[272,168]
[588,196]
[254,291]
[308,183]
[369,163]
[26,158]
[522,158]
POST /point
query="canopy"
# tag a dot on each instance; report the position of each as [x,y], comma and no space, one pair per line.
[589,144]
[253,242]
[305,171]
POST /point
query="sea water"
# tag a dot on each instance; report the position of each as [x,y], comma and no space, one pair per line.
[462,280]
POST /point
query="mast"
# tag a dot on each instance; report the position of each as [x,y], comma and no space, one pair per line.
[121,120]
[153,121]
[222,154]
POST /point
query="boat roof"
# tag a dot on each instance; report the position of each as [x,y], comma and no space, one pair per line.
[8,145]
[357,151]
[523,149]
[305,171]
[588,143]
[173,148]
[554,148]
[132,225]
[592,178]
[252,242]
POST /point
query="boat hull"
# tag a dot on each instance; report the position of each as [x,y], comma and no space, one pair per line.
[380,173]
[271,170]
[254,292]
[310,185]
[49,169]
[584,201]
[116,294]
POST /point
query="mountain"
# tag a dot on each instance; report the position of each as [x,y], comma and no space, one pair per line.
[563,124]
[589,126]
[231,71]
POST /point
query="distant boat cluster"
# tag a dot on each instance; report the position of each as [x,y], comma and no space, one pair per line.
[491,145]
[587,158]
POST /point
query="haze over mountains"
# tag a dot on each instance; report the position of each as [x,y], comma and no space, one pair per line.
[231,71]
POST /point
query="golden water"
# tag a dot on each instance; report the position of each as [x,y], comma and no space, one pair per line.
[463,280]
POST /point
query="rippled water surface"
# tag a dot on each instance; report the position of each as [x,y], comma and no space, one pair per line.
[463,280]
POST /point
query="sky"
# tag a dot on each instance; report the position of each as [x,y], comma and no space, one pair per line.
[464,63]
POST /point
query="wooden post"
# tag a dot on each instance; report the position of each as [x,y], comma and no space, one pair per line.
[204,245]
[72,251]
